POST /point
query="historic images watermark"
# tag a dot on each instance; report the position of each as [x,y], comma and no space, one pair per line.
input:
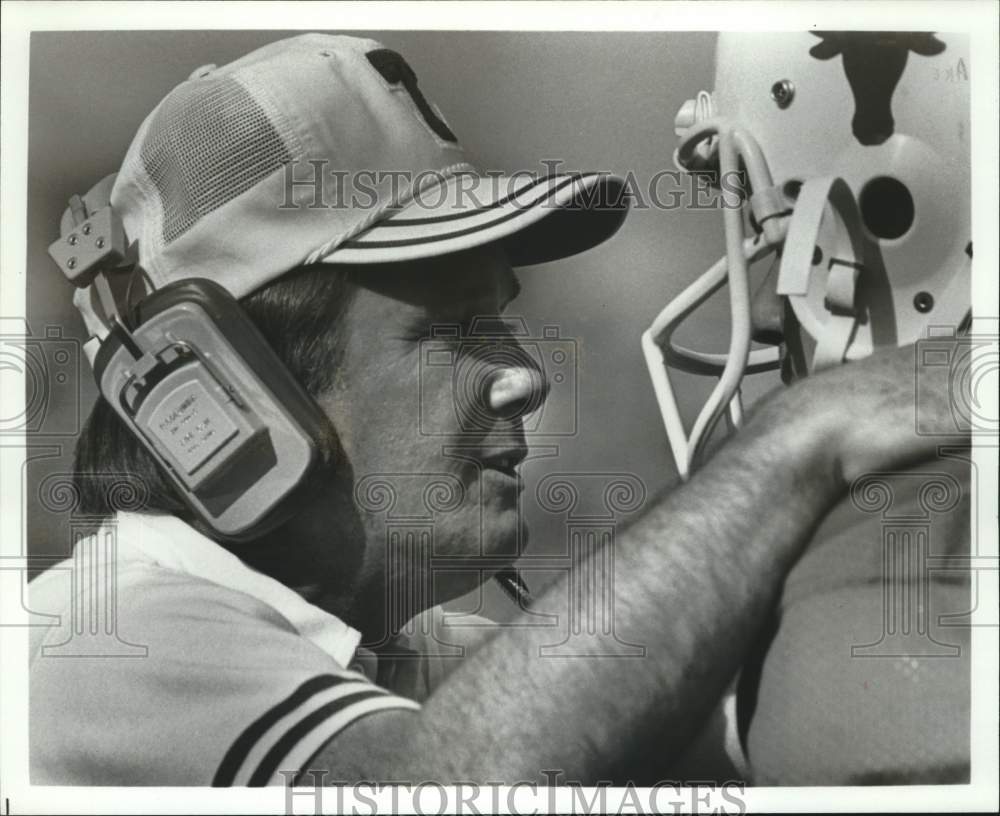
[928,548]
[91,574]
[49,362]
[973,363]
[908,505]
[467,359]
[316,185]
[419,513]
[314,790]
[40,382]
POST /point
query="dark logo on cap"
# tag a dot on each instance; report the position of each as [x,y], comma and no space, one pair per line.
[874,62]
[395,70]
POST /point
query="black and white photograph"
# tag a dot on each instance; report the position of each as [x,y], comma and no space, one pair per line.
[499,407]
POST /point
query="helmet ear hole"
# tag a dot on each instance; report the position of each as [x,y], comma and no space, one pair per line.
[790,189]
[886,207]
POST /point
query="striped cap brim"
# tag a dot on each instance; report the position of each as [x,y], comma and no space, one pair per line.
[537,219]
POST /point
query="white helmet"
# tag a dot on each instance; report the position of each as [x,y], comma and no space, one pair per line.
[855,147]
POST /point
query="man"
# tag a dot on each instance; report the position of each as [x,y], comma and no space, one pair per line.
[273,652]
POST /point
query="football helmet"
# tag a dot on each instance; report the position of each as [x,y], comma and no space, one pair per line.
[846,155]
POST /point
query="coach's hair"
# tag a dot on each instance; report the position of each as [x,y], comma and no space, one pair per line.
[299,315]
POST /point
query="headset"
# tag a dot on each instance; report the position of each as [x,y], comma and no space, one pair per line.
[197,384]
[194,380]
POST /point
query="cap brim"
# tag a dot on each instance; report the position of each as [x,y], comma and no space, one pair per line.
[537,219]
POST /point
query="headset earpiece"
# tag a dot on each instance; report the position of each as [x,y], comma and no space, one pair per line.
[196,383]
[203,391]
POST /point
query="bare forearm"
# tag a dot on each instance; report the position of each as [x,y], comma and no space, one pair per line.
[692,581]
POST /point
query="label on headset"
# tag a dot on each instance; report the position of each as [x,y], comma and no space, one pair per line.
[191,424]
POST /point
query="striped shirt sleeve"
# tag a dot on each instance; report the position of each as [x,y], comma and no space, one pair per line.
[277,746]
[227,693]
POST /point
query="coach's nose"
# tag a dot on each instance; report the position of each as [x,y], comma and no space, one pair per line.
[516,390]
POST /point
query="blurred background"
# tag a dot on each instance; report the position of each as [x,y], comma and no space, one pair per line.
[593,101]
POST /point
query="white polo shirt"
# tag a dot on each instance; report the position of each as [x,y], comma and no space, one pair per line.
[183,666]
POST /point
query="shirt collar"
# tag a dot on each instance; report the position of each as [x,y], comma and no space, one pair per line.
[170,543]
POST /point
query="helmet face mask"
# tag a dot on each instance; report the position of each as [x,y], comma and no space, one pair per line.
[853,151]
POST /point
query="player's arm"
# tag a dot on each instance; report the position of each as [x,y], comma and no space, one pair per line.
[693,579]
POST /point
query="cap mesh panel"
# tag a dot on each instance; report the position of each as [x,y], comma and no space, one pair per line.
[209,142]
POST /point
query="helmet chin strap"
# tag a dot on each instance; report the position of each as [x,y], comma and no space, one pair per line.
[820,267]
[831,346]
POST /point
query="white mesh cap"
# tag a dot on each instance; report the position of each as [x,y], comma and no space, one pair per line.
[323,148]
